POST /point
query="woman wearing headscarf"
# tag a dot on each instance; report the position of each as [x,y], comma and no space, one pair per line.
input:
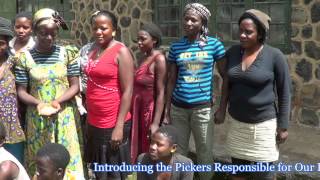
[51,74]
[8,96]
[258,96]
[190,84]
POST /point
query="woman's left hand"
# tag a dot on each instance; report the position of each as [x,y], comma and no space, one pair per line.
[219,116]
[282,135]
[153,128]
[116,137]
[56,105]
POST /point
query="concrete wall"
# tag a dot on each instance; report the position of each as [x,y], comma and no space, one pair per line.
[303,61]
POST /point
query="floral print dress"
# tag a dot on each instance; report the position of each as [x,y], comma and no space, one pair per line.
[46,76]
[9,106]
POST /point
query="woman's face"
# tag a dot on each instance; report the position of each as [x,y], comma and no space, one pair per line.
[160,147]
[192,23]
[145,41]
[248,34]
[46,35]
[3,45]
[102,29]
[23,28]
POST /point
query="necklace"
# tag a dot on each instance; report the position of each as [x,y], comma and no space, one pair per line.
[91,65]
[98,53]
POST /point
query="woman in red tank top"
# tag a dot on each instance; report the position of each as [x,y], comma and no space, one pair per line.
[149,83]
[109,71]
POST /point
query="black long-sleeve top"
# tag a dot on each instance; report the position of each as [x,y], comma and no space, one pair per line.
[262,91]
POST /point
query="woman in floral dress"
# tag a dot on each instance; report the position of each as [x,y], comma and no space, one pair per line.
[48,76]
[8,97]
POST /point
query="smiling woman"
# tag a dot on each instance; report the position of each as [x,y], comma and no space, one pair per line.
[108,66]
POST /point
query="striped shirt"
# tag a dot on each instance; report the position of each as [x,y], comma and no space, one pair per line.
[22,76]
[195,69]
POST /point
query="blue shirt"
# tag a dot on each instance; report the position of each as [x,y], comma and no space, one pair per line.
[195,65]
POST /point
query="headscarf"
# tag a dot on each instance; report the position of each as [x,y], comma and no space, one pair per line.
[154,32]
[47,15]
[204,13]
[260,16]
[5,28]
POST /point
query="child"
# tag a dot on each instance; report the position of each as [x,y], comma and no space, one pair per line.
[51,161]
[10,167]
[162,149]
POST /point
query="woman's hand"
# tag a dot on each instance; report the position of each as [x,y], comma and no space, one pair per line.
[25,97]
[282,135]
[116,137]
[56,105]
[167,117]
[219,117]
[40,106]
[45,109]
[126,68]
[154,127]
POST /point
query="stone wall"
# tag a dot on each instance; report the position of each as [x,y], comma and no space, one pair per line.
[131,14]
[303,61]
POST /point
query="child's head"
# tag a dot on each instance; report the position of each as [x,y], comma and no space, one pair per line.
[149,37]
[2,134]
[23,26]
[163,143]
[51,161]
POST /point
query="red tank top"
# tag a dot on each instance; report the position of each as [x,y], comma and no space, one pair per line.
[103,88]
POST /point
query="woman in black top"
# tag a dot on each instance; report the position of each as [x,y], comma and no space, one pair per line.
[258,96]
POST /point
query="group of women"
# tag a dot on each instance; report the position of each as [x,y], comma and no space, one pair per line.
[126,105]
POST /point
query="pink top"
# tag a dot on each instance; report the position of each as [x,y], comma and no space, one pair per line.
[103,88]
